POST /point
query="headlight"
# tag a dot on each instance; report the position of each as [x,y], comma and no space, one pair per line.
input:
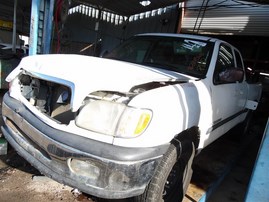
[114,119]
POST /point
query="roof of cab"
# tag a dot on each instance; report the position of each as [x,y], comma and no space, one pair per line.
[190,36]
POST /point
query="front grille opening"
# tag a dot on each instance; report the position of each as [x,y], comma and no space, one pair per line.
[50,98]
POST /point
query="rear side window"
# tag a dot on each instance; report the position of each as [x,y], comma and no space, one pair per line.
[225,62]
[239,63]
[225,58]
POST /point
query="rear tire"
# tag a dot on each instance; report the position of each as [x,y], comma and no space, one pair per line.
[171,178]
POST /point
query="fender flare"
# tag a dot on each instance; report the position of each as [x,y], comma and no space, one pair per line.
[183,141]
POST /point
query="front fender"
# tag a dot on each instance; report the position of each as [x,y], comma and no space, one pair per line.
[175,108]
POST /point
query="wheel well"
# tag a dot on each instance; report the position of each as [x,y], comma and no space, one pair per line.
[185,138]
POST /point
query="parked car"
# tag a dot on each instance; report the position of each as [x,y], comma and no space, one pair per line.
[129,124]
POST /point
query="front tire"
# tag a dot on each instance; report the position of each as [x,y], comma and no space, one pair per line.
[172,176]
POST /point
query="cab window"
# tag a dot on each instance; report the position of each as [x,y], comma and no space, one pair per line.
[225,70]
[238,59]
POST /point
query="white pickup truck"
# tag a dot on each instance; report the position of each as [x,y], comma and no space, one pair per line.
[127,125]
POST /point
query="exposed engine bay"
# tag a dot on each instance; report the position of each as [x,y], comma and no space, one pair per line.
[50,98]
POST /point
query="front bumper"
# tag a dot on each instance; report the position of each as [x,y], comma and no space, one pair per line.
[96,168]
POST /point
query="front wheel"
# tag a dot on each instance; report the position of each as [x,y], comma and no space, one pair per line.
[171,178]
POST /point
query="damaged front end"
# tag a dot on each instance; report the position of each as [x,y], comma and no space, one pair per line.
[95,167]
[48,97]
[103,112]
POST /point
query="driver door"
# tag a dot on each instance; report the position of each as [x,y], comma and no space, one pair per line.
[229,90]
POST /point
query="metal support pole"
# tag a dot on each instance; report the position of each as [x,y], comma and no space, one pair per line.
[14,42]
[34,27]
[259,181]
[49,7]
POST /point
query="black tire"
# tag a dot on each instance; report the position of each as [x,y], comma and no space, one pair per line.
[171,177]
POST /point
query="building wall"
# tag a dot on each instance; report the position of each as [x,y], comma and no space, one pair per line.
[80,31]
[6,37]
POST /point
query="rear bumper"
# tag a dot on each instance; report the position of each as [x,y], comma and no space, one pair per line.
[96,168]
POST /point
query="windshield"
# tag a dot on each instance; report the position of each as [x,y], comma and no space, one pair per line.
[183,55]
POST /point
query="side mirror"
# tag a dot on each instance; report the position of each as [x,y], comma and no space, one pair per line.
[231,75]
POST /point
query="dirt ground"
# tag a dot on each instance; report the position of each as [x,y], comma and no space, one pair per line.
[20,182]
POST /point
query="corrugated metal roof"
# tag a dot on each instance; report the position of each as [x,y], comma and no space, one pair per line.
[229,17]
[127,8]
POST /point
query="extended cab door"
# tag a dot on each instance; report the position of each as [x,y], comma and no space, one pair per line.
[229,90]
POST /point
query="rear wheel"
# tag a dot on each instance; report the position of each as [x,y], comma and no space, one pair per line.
[171,178]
